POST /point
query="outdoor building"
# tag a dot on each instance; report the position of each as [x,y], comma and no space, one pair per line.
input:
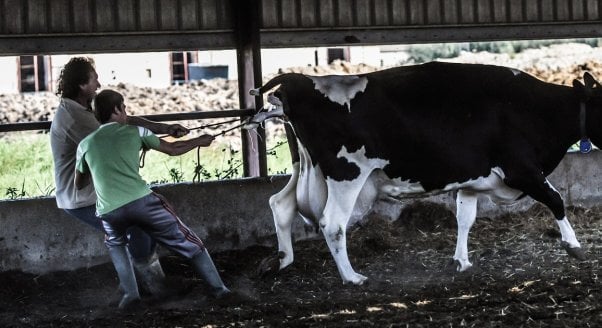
[161,69]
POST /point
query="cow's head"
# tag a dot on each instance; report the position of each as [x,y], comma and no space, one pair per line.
[590,95]
[274,109]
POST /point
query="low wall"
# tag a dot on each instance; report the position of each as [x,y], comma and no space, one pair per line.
[37,237]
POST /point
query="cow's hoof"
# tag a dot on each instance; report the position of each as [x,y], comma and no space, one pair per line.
[357,280]
[462,265]
[269,266]
[576,252]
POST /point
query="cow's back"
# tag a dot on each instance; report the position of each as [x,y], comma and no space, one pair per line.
[424,119]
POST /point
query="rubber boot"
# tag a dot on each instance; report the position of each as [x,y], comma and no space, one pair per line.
[151,275]
[125,272]
[204,266]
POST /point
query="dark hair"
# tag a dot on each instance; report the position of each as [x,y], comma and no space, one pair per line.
[75,73]
[105,103]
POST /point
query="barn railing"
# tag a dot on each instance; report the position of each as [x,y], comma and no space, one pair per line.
[45,125]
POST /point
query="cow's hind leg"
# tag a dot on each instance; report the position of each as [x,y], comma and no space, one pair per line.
[466,212]
[542,191]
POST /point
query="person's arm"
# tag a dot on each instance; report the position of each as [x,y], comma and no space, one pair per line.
[82,176]
[181,147]
[174,130]
[81,179]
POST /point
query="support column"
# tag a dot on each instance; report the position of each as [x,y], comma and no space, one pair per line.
[248,52]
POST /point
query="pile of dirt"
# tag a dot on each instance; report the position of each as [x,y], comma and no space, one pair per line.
[336,67]
[521,277]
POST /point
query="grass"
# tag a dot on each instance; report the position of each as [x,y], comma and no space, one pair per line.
[27,169]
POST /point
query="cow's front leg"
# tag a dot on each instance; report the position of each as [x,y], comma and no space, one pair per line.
[334,230]
[284,209]
[466,212]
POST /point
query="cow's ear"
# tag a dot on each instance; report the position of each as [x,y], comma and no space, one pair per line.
[591,83]
[580,90]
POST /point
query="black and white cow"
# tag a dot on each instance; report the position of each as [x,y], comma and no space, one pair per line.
[422,130]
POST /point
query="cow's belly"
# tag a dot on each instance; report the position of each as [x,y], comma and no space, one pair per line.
[491,185]
[311,192]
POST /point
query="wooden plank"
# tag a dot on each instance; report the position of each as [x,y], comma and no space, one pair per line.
[484,11]
[467,11]
[209,14]
[183,116]
[147,15]
[592,9]
[327,13]
[516,11]
[500,11]
[288,13]
[563,12]
[13,23]
[450,11]
[167,11]
[382,12]
[578,10]
[547,10]
[126,15]
[532,10]
[82,16]
[434,12]
[60,16]
[109,43]
[308,13]
[417,10]
[106,20]
[36,17]
[404,35]
[2,21]
[224,15]
[400,12]
[362,12]
[345,15]
[270,13]
[248,47]
[189,15]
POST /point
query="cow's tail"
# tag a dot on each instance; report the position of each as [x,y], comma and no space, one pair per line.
[271,84]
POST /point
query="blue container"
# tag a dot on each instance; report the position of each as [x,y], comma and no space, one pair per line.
[204,72]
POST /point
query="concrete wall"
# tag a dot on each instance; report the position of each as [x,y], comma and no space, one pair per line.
[37,237]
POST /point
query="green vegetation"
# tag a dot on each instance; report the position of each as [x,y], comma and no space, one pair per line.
[26,164]
[27,169]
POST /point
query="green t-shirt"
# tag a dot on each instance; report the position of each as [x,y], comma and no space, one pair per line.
[110,155]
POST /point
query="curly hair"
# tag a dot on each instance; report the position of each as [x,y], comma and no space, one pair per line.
[105,103]
[75,73]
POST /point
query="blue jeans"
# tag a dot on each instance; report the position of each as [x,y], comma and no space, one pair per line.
[140,244]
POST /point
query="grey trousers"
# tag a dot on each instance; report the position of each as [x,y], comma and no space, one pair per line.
[156,217]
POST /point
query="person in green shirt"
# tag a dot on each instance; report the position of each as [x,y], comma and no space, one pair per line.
[72,122]
[109,158]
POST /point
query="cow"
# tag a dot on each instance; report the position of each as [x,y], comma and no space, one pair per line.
[421,130]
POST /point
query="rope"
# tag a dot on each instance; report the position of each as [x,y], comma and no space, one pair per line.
[213,124]
[142,158]
[198,167]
